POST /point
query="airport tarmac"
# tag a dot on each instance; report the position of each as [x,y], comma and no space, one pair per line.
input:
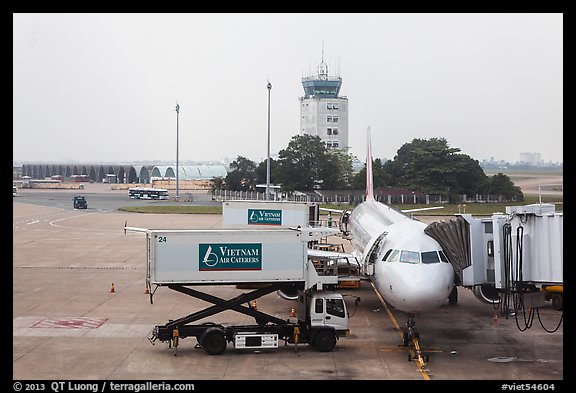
[68,324]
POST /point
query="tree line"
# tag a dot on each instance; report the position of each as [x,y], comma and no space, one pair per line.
[430,166]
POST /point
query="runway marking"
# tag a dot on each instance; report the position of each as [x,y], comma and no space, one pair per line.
[77,327]
[70,323]
[422,371]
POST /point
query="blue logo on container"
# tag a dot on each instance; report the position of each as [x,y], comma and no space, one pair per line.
[230,256]
[264,217]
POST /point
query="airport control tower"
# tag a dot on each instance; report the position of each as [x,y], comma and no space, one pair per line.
[322,111]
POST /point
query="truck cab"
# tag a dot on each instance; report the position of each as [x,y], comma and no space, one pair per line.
[326,316]
[80,202]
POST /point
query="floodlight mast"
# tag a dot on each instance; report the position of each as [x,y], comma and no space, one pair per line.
[177,113]
[268,156]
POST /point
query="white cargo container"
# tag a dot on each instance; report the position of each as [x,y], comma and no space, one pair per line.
[240,213]
[232,256]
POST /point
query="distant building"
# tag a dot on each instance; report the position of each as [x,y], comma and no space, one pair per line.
[531,158]
[123,173]
[323,112]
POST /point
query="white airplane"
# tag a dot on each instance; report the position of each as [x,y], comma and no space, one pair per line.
[406,266]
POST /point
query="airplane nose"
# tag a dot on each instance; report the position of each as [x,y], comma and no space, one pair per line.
[427,287]
[427,296]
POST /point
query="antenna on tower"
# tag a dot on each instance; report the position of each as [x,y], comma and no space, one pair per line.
[323,68]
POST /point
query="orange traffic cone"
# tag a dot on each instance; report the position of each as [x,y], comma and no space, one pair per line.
[147,291]
[254,305]
[292,313]
[112,289]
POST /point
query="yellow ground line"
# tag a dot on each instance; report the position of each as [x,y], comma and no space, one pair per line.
[412,353]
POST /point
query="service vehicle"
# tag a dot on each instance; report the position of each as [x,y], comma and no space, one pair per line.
[249,213]
[80,202]
[275,259]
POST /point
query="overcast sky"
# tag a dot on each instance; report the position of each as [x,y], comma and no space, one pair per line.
[103,87]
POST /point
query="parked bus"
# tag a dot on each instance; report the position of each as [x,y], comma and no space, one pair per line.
[147,193]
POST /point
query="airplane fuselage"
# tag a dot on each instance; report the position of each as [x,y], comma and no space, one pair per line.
[410,270]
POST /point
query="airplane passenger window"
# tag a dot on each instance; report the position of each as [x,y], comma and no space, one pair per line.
[410,256]
[394,256]
[430,257]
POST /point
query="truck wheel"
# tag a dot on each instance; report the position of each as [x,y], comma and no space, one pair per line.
[214,342]
[325,340]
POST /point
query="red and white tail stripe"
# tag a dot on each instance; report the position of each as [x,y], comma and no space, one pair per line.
[369,176]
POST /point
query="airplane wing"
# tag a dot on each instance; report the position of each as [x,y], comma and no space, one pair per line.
[324,209]
[331,254]
[403,211]
[422,209]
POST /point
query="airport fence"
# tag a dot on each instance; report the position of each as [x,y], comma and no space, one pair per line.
[357,196]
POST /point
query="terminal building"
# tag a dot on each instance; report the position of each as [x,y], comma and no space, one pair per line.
[128,174]
[323,112]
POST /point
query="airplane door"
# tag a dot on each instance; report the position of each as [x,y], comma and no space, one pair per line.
[370,257]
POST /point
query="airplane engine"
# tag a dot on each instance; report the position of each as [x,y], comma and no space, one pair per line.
[486,293]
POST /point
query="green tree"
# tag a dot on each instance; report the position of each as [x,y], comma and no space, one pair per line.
[500,184]
[217,184]
[261,172]
[431,166]
[298,167]
[241,176]
[336,171]
[380,177]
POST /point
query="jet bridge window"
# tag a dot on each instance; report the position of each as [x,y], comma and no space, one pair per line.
[335,307]
[410,256]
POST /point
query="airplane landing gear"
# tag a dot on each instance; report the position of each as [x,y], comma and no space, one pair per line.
[411,340]
[410,332]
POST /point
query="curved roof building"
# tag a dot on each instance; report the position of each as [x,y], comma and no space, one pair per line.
[124,173]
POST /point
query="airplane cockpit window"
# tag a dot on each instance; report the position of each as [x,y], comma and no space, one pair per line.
[443,257]
[430,257]
[387,253]
[394,256]
[410,256]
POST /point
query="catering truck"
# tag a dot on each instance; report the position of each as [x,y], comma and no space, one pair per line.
[247,213]
[275,259]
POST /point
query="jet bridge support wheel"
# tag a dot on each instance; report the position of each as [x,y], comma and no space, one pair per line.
[453,297]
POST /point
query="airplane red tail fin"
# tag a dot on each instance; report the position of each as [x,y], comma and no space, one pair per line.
[369,175]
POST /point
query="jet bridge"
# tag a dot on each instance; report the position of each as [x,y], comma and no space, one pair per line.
[519,253]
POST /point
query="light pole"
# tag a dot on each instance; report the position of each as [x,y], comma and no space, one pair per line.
[268,157]
[177,113]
